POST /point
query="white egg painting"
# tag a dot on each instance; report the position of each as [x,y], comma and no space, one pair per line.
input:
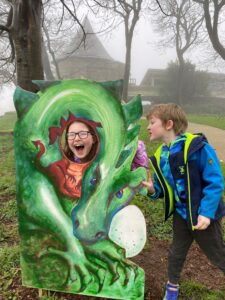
[128,230]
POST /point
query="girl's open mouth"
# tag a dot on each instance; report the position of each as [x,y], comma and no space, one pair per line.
[79,147]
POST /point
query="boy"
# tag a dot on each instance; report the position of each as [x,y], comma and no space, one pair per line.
[187,174]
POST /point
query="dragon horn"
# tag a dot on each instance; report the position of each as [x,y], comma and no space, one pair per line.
[132,133]
[23,100]
[115,87]
[123,156]
[133,110]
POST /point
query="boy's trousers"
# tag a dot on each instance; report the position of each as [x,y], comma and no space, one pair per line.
[210,241]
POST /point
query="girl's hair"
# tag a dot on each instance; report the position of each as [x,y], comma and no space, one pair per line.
[69,154]
[170,111]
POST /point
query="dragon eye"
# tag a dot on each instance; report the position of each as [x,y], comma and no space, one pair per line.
[93,181]
[119,194]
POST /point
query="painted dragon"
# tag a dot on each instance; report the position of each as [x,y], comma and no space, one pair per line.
[65,244]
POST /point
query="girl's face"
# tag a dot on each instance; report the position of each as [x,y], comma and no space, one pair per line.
[80,140]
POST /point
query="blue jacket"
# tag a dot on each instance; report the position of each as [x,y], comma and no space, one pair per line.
[197,167]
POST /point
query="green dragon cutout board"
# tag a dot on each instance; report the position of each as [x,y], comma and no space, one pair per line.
[70,244]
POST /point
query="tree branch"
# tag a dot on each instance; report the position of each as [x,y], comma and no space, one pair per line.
[222,3]
[160,7]
[4,28]
[51,52]
[199,1]
[75,18]
[213,28]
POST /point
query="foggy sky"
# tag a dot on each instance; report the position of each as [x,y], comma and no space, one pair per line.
[6,98]
[144,52]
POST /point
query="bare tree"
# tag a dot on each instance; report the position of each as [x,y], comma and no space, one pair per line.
[129,12]
[214,12]
[179,23]
[21,35]
[45,57]
[6,73]
[23,28]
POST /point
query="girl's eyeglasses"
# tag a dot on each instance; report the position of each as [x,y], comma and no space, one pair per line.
[81,134]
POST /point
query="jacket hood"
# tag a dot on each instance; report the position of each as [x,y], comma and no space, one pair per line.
[197,143]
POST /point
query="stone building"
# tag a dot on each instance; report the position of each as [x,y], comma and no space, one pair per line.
[90,61]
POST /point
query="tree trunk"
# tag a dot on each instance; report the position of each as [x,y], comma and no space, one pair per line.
[180,84]
[46,64]
[180,76]
[127,68]
[128,37]
[212,26]
[27,38]
[52,54]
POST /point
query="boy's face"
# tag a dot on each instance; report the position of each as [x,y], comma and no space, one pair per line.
[156,129]
[80,144]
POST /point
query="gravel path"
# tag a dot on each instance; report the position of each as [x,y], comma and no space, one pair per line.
[215,136]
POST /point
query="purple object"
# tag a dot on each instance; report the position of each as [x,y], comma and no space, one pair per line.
[140,158]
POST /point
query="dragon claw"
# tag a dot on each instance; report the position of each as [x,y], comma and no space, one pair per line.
[114,262]
[85,272]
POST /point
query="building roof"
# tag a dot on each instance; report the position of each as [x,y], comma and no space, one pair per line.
[152,73]
[91,48]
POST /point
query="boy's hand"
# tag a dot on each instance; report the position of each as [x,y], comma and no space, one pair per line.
[203,223]
[149,185]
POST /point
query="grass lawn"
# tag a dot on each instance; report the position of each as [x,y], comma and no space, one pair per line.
[7,121]
[217,121]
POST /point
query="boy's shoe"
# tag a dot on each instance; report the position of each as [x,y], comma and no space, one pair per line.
[172,291]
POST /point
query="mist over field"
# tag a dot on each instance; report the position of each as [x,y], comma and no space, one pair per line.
[6,98]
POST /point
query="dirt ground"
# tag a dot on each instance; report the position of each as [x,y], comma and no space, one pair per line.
[154,262]
[196,268]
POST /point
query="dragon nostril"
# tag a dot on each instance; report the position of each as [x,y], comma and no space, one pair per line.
[76,224]
[99,234]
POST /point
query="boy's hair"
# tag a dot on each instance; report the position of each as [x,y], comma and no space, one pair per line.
[170,111]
